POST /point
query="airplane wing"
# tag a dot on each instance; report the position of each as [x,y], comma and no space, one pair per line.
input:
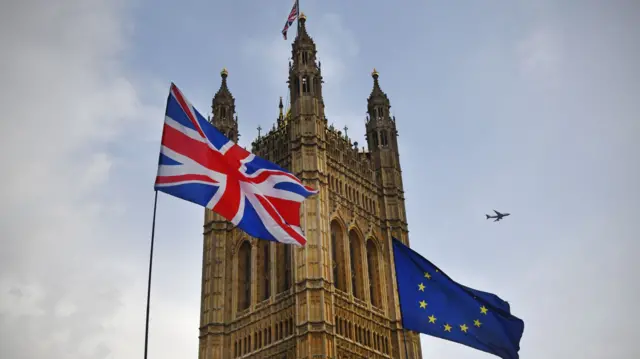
[498,213]
[497,219]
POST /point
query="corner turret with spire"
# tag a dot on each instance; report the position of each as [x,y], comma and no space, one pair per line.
[305,78]
[381,135]
[380,125]
[223,110]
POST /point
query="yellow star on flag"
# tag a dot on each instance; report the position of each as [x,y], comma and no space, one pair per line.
[432,319]
[423,304]
[477,323]
[421,287]
[483,310]
[427,275]
[447,328]
[464,328]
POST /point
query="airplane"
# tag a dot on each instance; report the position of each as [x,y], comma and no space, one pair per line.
[498,215]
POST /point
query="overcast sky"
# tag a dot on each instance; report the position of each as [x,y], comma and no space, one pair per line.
[529,107]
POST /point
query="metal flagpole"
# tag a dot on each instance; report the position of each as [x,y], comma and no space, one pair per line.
[298,20]
[153,230]
[404,331]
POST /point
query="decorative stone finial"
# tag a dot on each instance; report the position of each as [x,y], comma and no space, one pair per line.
[374,73]
[224,72]
[303,16]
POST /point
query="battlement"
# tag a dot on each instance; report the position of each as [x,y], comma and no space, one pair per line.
[356,160]
[273,146]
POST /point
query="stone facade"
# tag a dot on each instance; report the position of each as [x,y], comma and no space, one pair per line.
[336,297]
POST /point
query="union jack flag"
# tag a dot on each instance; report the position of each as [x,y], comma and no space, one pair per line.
[200,165]
[292,17]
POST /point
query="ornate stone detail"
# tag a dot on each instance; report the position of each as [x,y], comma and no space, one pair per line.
[294,294]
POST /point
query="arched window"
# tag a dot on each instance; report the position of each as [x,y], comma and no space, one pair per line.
[337,256]
[264,273]
[384,137]
[283,266]
[287,267]
[379,112]
[305,84]
[355,250]
[373,263]
[244,276]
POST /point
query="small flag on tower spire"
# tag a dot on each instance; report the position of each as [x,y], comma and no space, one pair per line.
[293,15]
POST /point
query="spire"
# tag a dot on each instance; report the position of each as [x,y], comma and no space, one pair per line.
[380,126]
[223,109]
[305,78]
[303,39]
[377,98]
[281,120]
[224,96]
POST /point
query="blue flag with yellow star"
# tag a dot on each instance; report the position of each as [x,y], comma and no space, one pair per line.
[434,304]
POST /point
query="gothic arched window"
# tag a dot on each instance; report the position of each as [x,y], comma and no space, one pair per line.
[244,276]
[305,84]
[283,266]
[337,256]
[384,137]
[356,265]
[264,273]
[373,264]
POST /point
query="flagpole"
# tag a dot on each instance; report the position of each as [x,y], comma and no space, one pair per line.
[404,331]
[153,230]
[298,20]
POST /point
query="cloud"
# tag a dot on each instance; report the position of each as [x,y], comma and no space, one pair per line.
[65,100]
[540,53]
[338,51]
[336,44]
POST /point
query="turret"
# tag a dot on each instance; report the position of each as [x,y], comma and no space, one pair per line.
[305,79]
[381,136]
[380,125]
[223,109]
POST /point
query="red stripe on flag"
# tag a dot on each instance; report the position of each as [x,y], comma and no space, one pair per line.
[229,203]
[273,213]
[184,178]
[195,150]
[289,210]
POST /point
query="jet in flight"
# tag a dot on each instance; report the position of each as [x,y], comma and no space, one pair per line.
[498,215]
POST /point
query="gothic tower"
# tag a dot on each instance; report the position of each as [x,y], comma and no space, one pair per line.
[336,296]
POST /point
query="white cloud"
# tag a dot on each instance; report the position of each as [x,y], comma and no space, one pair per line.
[338,50]
[336,44]
[65,99]
[540,53]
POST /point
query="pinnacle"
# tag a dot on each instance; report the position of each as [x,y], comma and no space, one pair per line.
[377,95]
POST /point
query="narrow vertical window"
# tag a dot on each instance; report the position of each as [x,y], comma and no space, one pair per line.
[337,254]
[373,265]
[356,260]
[287,267]
[244,276]
[264,286]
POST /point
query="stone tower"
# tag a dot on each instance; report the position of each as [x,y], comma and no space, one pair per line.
[336,297]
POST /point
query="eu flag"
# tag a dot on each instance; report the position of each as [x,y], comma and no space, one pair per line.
[434,304]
